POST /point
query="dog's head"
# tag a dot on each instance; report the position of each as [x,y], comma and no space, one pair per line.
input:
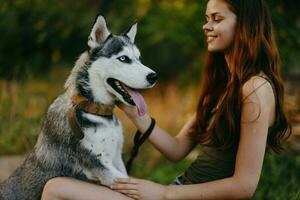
[111,69]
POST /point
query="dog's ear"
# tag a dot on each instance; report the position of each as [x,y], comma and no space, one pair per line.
[132,32]
[99,32]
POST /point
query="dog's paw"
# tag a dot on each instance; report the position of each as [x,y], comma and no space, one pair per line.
[108,180]
[121,176]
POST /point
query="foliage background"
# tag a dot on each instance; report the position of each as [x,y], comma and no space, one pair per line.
[41,39]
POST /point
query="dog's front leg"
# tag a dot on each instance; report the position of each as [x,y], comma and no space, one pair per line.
[119,164]
[118,161]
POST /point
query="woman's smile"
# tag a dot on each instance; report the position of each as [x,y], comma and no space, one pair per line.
[210,38]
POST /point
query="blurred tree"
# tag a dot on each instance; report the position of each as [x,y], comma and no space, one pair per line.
[172,38]
[39,34]
[35,34]
[286,18]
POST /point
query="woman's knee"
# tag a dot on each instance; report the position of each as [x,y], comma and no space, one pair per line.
[51,189]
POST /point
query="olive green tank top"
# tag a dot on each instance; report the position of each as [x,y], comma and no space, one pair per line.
[213,163]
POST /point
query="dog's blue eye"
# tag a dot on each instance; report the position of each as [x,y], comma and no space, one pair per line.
[124,59]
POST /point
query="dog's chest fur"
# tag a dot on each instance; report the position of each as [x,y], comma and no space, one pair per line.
[104,137]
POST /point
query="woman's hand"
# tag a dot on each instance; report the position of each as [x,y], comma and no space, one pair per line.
[141,122]
[139,189]
[130,111]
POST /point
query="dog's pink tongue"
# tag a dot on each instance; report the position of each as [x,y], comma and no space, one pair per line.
[139,101]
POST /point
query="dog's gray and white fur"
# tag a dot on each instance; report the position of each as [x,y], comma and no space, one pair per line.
[58,152]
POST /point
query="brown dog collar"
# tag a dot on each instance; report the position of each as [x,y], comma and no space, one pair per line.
[82,103]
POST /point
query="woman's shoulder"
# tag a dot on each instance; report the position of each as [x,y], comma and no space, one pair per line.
[258,86]
[259,99]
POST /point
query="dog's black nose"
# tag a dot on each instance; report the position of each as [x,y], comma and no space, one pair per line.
[151,78]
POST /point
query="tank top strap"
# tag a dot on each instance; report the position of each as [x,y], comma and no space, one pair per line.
[270,81]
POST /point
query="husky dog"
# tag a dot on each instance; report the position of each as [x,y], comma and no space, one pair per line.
[75,142]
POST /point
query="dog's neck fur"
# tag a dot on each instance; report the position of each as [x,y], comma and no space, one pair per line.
[82,103]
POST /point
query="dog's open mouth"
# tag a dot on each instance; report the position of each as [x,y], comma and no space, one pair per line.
[130,95]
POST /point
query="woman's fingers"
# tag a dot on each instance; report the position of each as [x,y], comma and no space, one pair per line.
[127,186]
[123,186]
[126,180]
[131,111]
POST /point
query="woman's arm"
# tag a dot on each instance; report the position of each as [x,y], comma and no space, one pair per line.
[173,148]
[257,115]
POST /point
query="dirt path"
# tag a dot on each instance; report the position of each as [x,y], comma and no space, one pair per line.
[8,164]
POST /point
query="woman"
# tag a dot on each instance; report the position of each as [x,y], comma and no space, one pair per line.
[239,115]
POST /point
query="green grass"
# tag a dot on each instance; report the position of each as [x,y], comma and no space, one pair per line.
[280,177]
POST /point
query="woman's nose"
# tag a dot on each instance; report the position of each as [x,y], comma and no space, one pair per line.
[207,26]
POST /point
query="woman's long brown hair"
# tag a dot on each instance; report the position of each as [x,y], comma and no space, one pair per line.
[254,50]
